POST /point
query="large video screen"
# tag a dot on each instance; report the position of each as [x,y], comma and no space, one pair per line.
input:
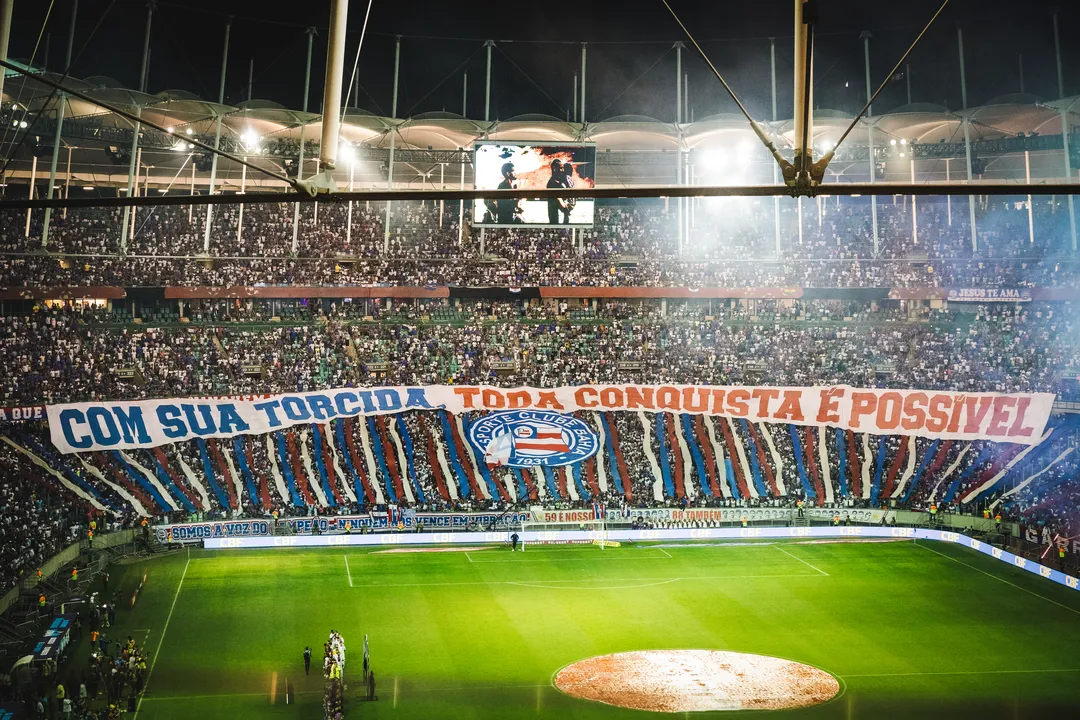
[504,165]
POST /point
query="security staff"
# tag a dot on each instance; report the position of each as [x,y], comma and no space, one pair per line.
[307,660]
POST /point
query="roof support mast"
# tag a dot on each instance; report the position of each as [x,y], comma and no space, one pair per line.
[331,118]
[805,16]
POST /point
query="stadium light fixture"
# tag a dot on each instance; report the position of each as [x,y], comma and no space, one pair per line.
[169,130]
[88,188]
[893,141]
[189,131]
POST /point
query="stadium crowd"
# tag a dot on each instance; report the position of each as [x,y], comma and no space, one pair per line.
[729,243]
[60,352]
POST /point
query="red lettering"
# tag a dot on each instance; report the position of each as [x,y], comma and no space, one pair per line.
[639,397]
[688,399]
[791,406]
[549,401]
[611,397]
[718,401]
[582,401]
[667,398]
[862,403]
[939,415]
[959,402]
[888,410]
[914,415]
[974,421]
[829,408]
[738,402]
[764,396]
[518,399]
[467,394]
[1018,429]
[493,398]
[1000,415]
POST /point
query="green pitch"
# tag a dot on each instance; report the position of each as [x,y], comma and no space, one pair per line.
[911,630]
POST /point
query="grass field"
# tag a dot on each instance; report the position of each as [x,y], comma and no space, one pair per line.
[911,630]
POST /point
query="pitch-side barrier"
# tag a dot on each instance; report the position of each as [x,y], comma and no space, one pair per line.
[579,536]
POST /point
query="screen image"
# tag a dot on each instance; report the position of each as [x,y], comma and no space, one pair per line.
[499,166]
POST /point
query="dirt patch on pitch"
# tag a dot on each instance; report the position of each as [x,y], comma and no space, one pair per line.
[696,681]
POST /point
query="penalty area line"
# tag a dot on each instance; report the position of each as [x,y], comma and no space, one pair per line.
[801,560]
[157,651]
[579,580]
[963,672]
[348,572]
[1000,579]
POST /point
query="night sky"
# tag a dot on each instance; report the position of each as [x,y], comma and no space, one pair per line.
[630,66]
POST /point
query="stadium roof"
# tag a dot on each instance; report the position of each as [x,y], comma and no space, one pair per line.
[1006,116]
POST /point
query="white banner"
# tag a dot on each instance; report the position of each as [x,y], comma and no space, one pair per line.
[1018,418]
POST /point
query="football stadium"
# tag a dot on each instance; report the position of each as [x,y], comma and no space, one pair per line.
[464,360]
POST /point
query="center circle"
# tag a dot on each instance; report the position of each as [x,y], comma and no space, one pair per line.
[696,681]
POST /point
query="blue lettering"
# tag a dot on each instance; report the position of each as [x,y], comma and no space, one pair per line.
[321,407]
[131,424]
[68,418]
[365,398]
[102,426]
[295,409]
[417,398]
[171,423]
[231,420]
[388,399]
[270,409]
[339,403]
[208,426]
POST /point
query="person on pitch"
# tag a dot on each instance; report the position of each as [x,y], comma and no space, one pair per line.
[307,660]
[514,540]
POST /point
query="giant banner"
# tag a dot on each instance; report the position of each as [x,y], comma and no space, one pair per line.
[1017,418]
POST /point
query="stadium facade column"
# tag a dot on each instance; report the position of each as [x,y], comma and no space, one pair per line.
[865,37]
[1068,174]
[143,75]
[243,190]
[1027,181]
[135,189]
[191,207]
[678,145]
[461,184]
[352,187]
[1064,126]
[573,100]
[907,77]
[243,168]
[775,167]
[30,192]
[461,203]
[914,205]
[487,82]
[393,134]
[61,100]
[948,198]
[442,186]
[303,126]
[967,137]
[67,182]
[582,83]
[217,136]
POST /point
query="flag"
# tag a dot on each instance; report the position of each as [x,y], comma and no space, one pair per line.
[598,511]
[546,439]
[393,515]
